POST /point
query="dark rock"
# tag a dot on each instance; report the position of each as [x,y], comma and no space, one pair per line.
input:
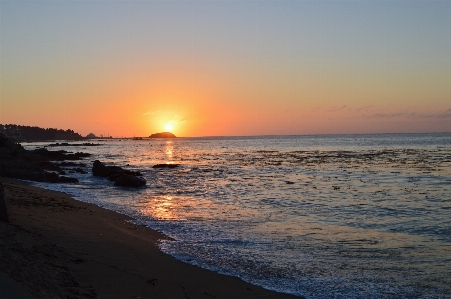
[16,162]
[126,180]
[165,165]
[65,179]
[60,155]
[163,135]
[72,164]
[3,210]
[79,170]
[24,174]
[52,177]
[73,144]
[114,177]
[100,169]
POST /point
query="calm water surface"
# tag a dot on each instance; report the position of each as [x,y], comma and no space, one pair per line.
[339,216]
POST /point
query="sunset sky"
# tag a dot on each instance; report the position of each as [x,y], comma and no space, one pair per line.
[129,68]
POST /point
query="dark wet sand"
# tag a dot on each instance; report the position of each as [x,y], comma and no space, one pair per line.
[57,247]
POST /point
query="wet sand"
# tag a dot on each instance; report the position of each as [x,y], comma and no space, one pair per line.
[57,247]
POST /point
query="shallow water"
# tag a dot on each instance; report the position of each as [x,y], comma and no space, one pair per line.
[339,216]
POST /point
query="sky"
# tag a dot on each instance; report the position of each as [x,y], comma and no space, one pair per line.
[221,67]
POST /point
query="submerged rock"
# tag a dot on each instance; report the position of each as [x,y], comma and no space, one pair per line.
[126,180]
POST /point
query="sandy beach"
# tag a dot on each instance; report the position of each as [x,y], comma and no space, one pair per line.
[58,247]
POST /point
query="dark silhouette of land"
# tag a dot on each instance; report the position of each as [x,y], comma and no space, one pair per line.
[17,132]
[163,135]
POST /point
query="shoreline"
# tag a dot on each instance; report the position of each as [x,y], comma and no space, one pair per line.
[59,247]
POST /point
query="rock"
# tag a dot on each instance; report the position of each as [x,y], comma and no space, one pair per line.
[60,155]
[52,177]
[163,135]
[72,164]
[16,162]
[79,170]
[99,169]
[73,144]
[29,175]
[126,180]
[165,165]
[3,210]
[114,177]
[47,165]
[65,179]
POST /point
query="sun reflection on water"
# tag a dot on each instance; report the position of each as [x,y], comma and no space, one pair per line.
[169,150]
[160,207]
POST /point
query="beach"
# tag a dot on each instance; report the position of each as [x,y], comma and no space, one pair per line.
[58,247]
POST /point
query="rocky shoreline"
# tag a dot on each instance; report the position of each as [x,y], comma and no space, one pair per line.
[43,165]
[37,165]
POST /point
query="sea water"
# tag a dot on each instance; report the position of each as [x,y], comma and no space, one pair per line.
[329,216]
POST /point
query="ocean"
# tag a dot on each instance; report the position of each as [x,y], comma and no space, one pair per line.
[326,216]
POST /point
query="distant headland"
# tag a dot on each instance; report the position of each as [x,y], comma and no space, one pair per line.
[163,135]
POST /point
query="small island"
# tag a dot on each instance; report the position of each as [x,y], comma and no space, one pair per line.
[162,135]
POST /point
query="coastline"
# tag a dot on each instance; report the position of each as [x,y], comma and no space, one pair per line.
[58,247]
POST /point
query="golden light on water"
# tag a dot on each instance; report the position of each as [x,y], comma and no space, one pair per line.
[160,207]
[169,150]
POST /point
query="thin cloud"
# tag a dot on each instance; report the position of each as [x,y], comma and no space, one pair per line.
[338,108]
[388,115]
[364,108]
[152,112]
[444,115]
[413,115]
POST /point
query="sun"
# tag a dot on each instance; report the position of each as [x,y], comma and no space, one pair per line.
[168,127]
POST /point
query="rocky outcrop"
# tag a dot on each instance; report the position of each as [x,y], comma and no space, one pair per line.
[16,162]
[66,144]
[100,169]
[60,155]
[3,210]
[47,165]
[126,180]
[163,135]
[121,176]
[65,179]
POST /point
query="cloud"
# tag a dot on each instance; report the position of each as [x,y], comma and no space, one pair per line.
[152,112]
[388,115]
[413,115]
[338,108]
[364,108]
[444,115]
